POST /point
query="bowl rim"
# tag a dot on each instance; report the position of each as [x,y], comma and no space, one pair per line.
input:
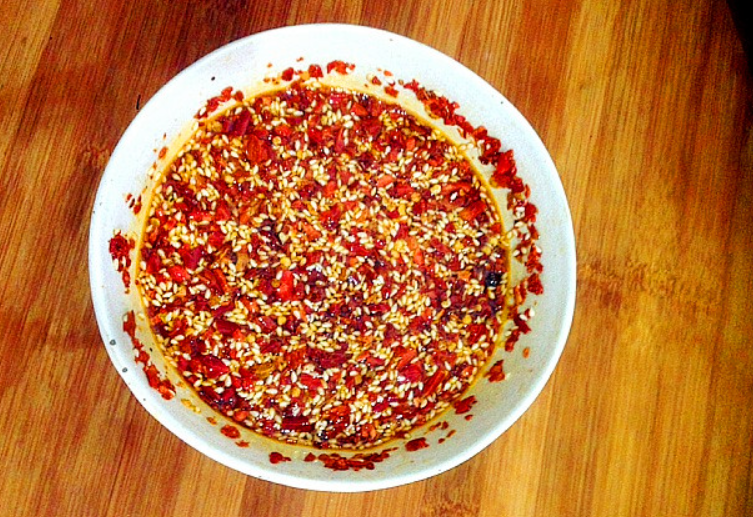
[106,321]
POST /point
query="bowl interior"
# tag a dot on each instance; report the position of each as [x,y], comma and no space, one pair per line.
[165,120]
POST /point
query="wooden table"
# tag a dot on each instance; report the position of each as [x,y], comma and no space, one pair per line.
[645,108]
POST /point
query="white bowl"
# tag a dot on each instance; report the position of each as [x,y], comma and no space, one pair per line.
[164,120]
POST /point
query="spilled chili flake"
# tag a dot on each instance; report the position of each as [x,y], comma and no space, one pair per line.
[276,457]
[230,431]
[155,379]
[416,444]
[496,373]
[120,251]
[465,405]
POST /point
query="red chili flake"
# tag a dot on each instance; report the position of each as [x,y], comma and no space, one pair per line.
[162,153]
[416,444]
[520,323]
[310,457]
[530,213]
[315,71]
[469,417]
[505,172]
[375,80]
[465,405]
[276,457]
[257,150]
[240,416]
[433,383]
[526,352]
[213,367]
[129,324]
[286,290]
[212,420]
[391,90]
[406,357]
[178,273]
[287,74]
[496,372]
[231,432]
[242,443]
[512,339]
[473,211]
[120,251]
[340,67]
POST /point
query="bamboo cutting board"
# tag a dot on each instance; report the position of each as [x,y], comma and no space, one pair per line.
[645,108]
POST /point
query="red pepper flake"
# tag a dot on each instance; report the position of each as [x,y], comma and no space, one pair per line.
[416,444]
[340,67]
[375,80]
[120,251]
[469,417]
[162,153]
[230,431]
[242,443]
[465,405]
[315,71]
[276,458]
[526,352]
[496,372]
[534,284]
[310,457]
[391,90]
[287,74]
[212,420]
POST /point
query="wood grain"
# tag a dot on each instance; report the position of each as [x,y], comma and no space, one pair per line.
[645,108]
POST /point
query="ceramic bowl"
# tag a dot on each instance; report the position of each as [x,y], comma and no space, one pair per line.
[166,119]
